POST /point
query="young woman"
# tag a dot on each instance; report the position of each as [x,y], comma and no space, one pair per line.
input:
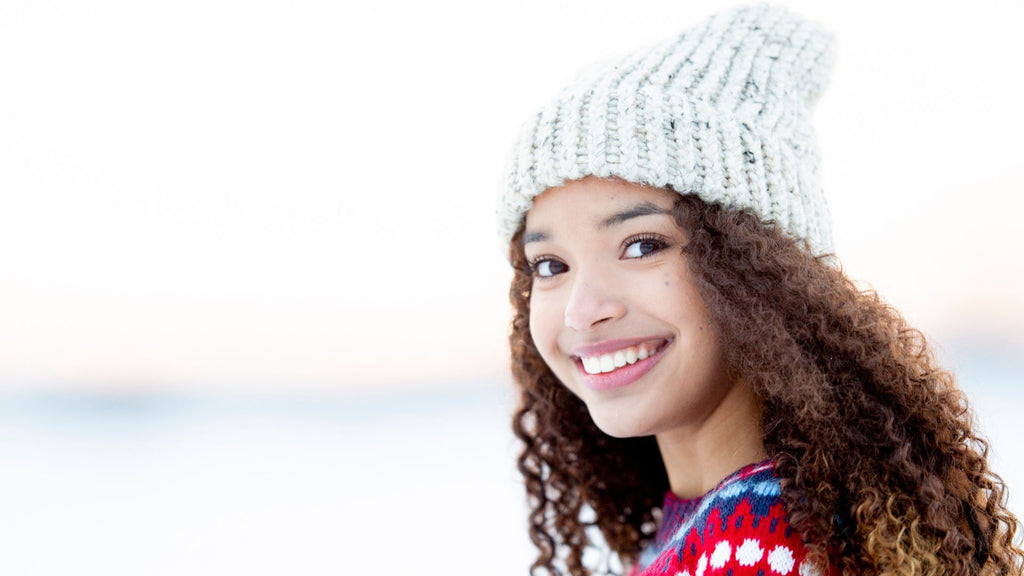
[700,383]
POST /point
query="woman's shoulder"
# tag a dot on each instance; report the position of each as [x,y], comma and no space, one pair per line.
[740,527]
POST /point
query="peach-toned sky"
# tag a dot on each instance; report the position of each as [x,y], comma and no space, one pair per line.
[228,195]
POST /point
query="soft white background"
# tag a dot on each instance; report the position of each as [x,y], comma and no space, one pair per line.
[245,202]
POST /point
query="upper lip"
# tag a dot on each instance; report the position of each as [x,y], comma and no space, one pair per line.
[609,346]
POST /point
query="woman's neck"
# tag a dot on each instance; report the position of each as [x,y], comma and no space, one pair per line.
[699,456]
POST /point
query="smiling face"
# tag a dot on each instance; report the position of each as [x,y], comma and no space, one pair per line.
[615,313]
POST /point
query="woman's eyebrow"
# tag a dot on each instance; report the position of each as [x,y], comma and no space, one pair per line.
[539,236]
[635,211]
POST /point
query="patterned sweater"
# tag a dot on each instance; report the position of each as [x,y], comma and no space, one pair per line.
[739,528]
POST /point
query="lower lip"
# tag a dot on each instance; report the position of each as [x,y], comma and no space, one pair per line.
[621,376]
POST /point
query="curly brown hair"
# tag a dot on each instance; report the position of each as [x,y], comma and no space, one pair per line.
[875,447]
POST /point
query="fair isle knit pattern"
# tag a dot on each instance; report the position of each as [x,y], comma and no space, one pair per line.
[721,111]
[740,528]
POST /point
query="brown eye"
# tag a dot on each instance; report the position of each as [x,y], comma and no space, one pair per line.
[643,247]
[549,268]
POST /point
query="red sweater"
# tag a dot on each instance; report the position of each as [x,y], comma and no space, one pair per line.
[740,528]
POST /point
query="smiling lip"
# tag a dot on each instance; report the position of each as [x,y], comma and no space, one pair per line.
[624,375]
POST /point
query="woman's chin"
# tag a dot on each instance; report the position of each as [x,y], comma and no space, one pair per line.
[617,426]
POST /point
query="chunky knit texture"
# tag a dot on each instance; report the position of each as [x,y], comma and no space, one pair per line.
[740,528]
[721,111]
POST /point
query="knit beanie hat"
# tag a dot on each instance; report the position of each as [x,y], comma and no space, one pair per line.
[721,111]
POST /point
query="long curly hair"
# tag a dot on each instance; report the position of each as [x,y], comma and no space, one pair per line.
[875,446]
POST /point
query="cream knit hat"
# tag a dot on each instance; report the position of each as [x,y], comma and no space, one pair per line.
[721,111]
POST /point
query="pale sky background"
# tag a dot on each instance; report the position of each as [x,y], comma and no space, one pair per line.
[222,195]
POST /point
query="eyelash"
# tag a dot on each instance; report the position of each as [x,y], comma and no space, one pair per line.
[535,262]
[660,243]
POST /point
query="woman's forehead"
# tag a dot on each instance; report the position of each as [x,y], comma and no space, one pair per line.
[597,201]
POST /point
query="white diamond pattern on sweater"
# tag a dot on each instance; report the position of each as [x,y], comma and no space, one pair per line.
[749,553]
[781,560]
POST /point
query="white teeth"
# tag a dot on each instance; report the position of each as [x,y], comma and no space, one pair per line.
[631,355]
[608,362]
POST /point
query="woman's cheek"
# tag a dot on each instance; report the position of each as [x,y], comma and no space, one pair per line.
[546,319]
[540,315]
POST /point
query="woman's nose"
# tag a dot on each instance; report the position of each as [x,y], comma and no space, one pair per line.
[592,302]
